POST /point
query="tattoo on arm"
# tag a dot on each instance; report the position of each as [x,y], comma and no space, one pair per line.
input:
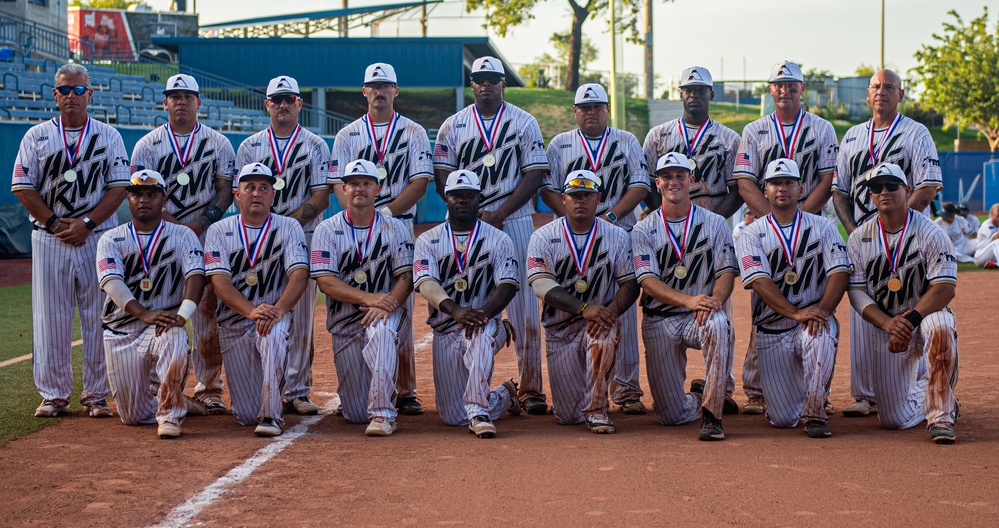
[309,212]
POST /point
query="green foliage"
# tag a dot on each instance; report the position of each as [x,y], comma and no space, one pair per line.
[106,4]
[560,45]
[865,70]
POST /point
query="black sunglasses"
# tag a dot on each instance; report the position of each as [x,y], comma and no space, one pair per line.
[284,98]
[480,78]
[878,188]
[79,89]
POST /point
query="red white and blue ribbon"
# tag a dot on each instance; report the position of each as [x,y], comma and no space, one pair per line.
[281,155]
[596,156]
[461,260]
[253,252]
[382,149]
[893,256]
[876,153]
[580,255]
[788,243]
[74,153]
[488,134]
[679,248]
[362,250]
[184,156]
[691,144]
[788,141]
[146,254]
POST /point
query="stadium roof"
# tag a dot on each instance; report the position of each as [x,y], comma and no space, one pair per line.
[315,15]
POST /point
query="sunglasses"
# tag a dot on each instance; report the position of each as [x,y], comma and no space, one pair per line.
[482,78]
[878,188]
[581,183]
[283,98]
[79,89]
[379,86]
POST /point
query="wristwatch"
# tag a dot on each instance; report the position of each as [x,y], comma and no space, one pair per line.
[91,225]
[611,217]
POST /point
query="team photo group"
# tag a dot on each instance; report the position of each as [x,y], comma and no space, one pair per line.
[637,227]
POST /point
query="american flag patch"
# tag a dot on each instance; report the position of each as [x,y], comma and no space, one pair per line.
[106,265]
[320,257]
[19,171]
[535,263]
[751,261]
[333,167]
[440,149]
[642,261]
[132,169]
[212,257]
[742,160]
[421,265]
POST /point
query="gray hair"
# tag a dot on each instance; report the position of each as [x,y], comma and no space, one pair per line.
[73,69]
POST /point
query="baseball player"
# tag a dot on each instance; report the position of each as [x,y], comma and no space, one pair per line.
[904,276]
[70,174]
[616,158]
[987,247]
[797,266]
[300,162]
[400,149]
[963,212]
[153,272]
[887,137]
[467,270]
[685,263]
[502,144]
[960,233]
[747,219]
[363,262]
[197,164]
[581,268]
[789,132]
[258,264]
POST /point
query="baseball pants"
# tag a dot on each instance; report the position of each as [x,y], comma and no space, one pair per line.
[406,374]
[147,374]
[366,364]
[298,369]
[579,368]
[207,353]
[861,343]
[61,276]
[987,253]
[254,367]
[624,385]
[523,314]
[463,371]
[666,342]
[795,370]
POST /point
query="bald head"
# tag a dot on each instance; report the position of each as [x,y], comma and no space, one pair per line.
[883,94]
[994,214]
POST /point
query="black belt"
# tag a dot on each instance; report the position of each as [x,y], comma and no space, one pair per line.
[112,330]
[404,216]
[768,331]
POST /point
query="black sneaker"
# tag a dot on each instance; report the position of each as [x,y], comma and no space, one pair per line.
[535,406]
[711,427]
[943,433]
[817,429]
[409,406]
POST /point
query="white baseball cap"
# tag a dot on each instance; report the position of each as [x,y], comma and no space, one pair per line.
[380,72]
[782,168]
[591,93]
[488,65]
[696,76]
[362,167]
[462,180]
[887,170]
[581,180]
[145,178]
[786,71]
[255,169]
[673,159]
[181,83]
[282,85]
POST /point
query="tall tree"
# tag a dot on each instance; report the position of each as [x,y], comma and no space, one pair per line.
[960,74]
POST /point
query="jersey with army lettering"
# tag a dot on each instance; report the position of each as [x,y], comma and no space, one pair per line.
[707,255]
[814,151]
[41,164]
[335,252]
[307,169]
[714,156]
[549,255]
[407,158]
[518,147]
[819,253]
[284,251]
[176,256]
[211,157]
[491,261]
[927,258]
[910,147]
[621,167]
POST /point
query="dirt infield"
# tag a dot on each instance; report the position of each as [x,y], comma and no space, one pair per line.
[86,472]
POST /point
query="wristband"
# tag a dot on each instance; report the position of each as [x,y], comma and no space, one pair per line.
[56,228]
[914,317]
[212,213]
[583,308]
[91,225]
[187,308]
[611,217]
[48,223]
[386,211]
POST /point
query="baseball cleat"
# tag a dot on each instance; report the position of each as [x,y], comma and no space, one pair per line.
[943,433]
[730,406]
[817,429]
[380,426]
[303,406]
[267,427]
[194,407]
[482,427]
[697,386]
[632,407]
[49,409]
[600,424]
[535,406]
[828,407]
[167,430]
[755,405]
[511,387]
[711,427]
[99,409]
[214,404]
[409,406]
[859,409]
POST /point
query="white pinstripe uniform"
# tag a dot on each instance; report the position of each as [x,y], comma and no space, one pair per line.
[407,158]
[910,146]
[147,372]
[463,368]
[578,365]
[366,359]
[254,365]
[211,158]
[795,368]
[306,170]
[63,275]
[906,393]
[621,168]
[987,249]
[957,231]
[815,146]
[668,331]
[518,147]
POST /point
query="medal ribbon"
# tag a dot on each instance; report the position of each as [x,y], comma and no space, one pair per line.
[789,244]
[72,154]
[596,156]
[488,134]
[876,153]
[677,247]
[580,256]
[461,260]
[146,254]
[362,251]
[185,156]
[381,150]
[795,132]
[691,144]
[258,245]
[893,256]
[281,156]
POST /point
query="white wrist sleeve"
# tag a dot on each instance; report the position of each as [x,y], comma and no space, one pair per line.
[187,308]
[118,292]
[433,293]
[386,211]
[542,285]
[860,300]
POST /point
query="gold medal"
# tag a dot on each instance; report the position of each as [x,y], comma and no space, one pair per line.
[693,164]
[462,248]
[894,284]
[489,160]
[183,179]
[360,277]
[70,175]
[382,172]
[251,279]
[279,184]
[581,286]
[790,277]
[460,285]
[146,284]
[680,272]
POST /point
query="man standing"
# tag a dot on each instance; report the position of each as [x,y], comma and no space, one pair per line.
[153,272]
[258,264]
[581,268]
[468,272]
[616,159]
[987,250]
[502,144]
[70,174]
[685,263]
[363,262]
[889,137]
[796,264]
[300,162]
[197,164]
[904,276]
[400,150]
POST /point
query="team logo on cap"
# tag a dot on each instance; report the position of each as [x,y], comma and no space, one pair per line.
[378,72]
[694,76]
[671,158]
[782,167]
[590,94]
[484,65]
[283,83]
[784,71]
[179,83]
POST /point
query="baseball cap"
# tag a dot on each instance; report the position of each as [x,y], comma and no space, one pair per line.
[462,180]
[361,167]
[146,178]
[255,169]
[696,76]
[282,85]
[590,93]
[488,65]
[672,159]
[181,83]
[380,72]
[786,71]
[963,207]
[887,170]
[948,209]
[782,168]
[581,181]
